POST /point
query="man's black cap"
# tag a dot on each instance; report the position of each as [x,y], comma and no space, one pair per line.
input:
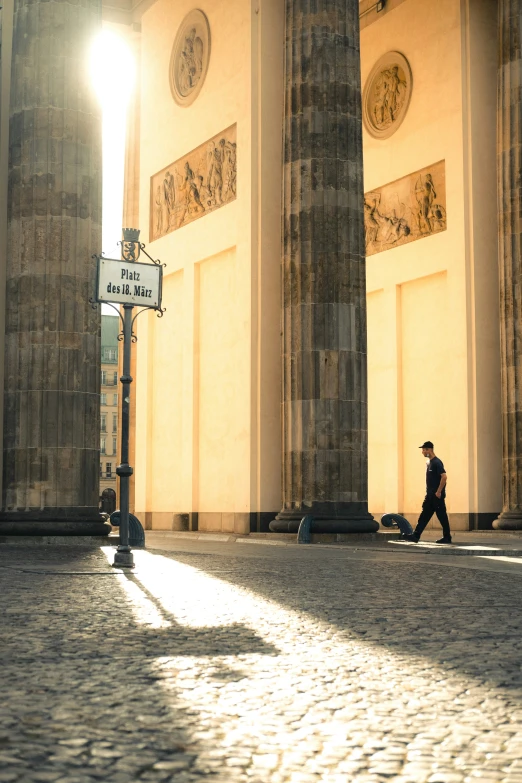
[426,445]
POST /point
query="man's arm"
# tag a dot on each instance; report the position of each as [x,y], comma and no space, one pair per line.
[443,479]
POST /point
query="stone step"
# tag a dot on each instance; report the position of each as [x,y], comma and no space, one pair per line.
[469,550]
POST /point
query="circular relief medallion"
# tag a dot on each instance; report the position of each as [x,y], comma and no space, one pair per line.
[189,58]
[386,95]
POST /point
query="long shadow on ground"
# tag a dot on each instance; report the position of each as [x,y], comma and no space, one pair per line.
[81,695]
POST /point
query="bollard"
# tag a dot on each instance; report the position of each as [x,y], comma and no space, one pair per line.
[304,534]
[395,520]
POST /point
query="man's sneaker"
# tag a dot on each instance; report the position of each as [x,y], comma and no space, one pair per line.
[412,537]
[444,540]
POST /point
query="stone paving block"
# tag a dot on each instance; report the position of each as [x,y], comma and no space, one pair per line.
[263,668]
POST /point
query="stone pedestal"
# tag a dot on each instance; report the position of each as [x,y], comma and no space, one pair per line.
[510,259]
[325,451]
[51,410]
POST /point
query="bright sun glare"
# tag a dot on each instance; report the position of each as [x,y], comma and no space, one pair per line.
[113,73]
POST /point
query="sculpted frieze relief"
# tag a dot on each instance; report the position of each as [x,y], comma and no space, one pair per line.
[196,184]
[387,95]
[405,210]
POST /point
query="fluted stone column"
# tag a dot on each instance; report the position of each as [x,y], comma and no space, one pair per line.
[510,260]
[51,410]
[325,449]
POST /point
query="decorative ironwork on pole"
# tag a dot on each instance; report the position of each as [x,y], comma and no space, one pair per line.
[130,283]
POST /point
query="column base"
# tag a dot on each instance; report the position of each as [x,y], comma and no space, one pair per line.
[50,522]
[508,520]
[360,521]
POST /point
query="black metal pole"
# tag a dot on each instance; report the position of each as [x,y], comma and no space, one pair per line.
[123,556]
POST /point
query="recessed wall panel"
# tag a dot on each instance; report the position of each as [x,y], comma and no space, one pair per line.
[377,377]
[167,402]
[218,395]
[426,382]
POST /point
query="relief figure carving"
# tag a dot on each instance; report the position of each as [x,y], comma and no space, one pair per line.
[190,63]
[386,95]
[194,185]
[430,215]
[410,208]
[390,91]
[189,59]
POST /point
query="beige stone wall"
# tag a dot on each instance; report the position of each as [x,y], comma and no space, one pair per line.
[433,304]
[208,372]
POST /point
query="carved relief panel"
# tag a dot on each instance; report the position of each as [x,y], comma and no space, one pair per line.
[189,58]
[405,210]
[387,95]
[196,184]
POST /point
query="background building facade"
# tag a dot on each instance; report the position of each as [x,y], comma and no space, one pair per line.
[109,402]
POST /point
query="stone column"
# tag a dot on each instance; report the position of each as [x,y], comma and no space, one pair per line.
[51,409]
[325,450]
[509,166]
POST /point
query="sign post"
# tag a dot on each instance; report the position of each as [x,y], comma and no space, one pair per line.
[130,283]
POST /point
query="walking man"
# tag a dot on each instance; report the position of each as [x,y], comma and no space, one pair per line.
[434,502]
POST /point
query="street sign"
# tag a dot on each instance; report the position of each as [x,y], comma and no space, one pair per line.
[129,282]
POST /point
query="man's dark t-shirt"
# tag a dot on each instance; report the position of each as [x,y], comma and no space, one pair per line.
[434,470]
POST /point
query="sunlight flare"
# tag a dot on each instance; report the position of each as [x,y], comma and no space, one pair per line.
[113,73]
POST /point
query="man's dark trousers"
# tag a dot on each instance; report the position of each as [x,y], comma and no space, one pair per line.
[433,505]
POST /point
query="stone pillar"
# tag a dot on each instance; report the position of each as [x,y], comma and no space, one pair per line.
[325,452]
[51,409]
[509,165]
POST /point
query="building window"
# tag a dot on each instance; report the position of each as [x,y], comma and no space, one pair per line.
[108,470]
[104,377]
[114,399]
[104,422]
[102,445]
[103,400]
[110,354]
[114,445]
[115,422]
[115,381]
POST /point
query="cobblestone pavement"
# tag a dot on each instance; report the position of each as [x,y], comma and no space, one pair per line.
[259,664]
